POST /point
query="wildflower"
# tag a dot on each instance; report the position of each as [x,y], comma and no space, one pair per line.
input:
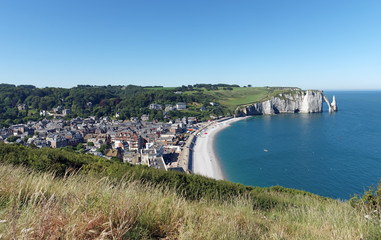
[26,230]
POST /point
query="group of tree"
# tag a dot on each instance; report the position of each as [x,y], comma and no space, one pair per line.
[86,100]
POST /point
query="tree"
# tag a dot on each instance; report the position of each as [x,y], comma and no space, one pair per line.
[79,146]
[102,148]
[12,138]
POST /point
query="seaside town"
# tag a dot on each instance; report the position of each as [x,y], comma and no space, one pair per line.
[156,144]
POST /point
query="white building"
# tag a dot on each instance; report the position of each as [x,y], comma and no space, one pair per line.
[155,106]
[181,106]
[169,107]
[145,117]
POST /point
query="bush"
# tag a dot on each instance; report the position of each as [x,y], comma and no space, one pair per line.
[371,199]
[12,138]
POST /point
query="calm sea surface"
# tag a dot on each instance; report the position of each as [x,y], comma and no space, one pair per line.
[334,155]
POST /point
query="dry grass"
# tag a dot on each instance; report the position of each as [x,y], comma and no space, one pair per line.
[39,206]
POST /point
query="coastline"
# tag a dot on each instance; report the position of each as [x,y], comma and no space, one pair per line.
[204,158]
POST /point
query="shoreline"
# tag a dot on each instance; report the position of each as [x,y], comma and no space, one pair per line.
[204,159]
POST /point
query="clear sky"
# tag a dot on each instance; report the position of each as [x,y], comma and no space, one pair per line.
[323,44]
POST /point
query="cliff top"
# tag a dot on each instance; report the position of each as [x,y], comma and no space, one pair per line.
[248,95]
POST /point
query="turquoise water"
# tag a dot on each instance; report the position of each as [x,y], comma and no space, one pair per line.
[334,155]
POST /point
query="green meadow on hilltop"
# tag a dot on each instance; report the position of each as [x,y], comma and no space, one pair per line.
[55,194]
[237,96]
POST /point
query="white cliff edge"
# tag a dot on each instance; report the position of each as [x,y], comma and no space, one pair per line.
[310,101]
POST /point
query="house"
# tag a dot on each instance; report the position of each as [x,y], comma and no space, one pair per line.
[66,112]
[175,129]
[168,140]
[18,129]
[74,139]
[145,117]
[104,138]
[169,107]
[147,156]
[5,132]
[181,106]
[121,144]
[158,163]
[43,113]
[91,137]
[192,120]
[57,109]
[131,157]
[135,142]
[134,119]
[213,104]
[203,109]
[155,106]
[40,143]
[22,106]
[57,141]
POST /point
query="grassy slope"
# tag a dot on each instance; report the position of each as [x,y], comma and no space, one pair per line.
[242,96]
[41,206]
[109,199]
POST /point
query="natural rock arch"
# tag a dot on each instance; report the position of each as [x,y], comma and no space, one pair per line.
[332,107]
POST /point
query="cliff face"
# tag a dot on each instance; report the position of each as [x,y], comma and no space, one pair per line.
[332,107]
[309,101]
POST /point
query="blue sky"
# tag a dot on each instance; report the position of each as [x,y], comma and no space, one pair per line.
[308,44]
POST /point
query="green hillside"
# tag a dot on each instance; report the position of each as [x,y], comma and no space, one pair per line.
[54,194]
[242,96]
[128,101]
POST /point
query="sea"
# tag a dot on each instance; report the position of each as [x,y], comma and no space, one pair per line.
[335,155]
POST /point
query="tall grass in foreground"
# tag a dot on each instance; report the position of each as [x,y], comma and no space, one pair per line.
[40,206]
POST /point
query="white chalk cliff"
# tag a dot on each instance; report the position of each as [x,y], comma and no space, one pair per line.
[332,107]
[310,101]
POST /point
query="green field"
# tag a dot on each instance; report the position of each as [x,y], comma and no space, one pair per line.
[243,95]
